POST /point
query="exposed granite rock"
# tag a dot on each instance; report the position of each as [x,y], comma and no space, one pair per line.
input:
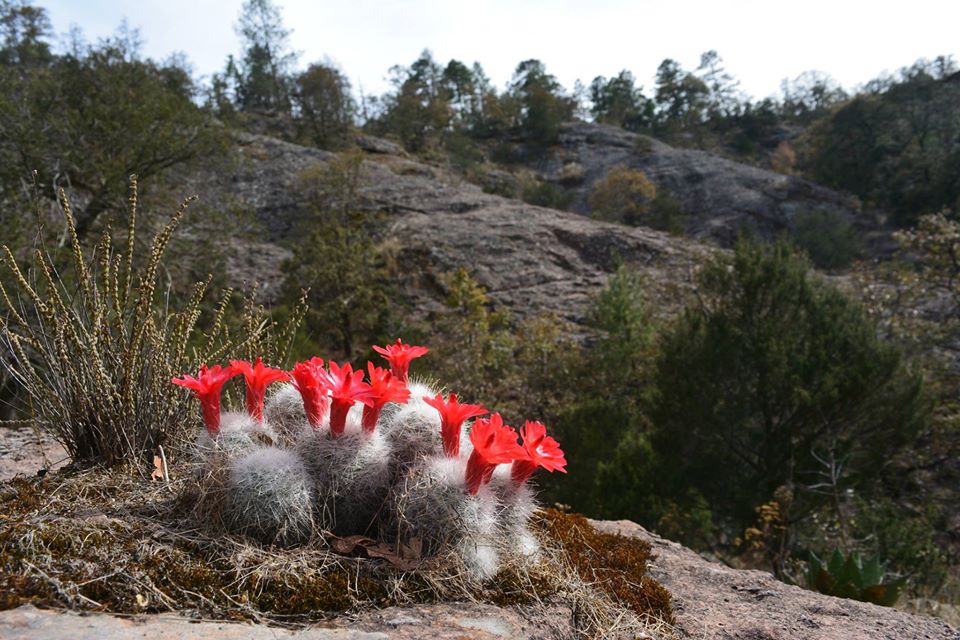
[372,144]
[25,450]
[534,260]
[436,622]
[719,195]
[715,602]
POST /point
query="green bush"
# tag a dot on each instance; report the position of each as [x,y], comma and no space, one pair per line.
[827,237]
[547,194]
[667,214]
[623,195]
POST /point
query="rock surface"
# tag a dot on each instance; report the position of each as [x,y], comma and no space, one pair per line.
[720,196]
[436,622]
[713,601]
[26,451]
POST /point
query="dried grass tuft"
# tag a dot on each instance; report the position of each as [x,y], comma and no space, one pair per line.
[93,342]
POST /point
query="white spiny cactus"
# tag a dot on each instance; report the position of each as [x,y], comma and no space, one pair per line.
[432,504]
[268,497]
[413,429]
[517,506]
[351,474]
[399,472]
[284,412]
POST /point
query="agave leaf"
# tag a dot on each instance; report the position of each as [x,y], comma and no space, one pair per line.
[823,582]
[849,574]
[872,573]
[836,563]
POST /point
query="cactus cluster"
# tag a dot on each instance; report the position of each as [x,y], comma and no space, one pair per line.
[368,453]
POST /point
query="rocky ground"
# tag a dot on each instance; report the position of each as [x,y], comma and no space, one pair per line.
[26,451]
[715,602]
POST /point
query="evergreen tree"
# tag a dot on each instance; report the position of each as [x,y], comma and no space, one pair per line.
[619,102]
[25,31]
[681,97]
[543,107]
[326,108]
[338,261]
[90,118]
[770,374]
[264,71]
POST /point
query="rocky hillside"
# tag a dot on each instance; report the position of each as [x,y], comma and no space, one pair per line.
[529,258]
[719,196]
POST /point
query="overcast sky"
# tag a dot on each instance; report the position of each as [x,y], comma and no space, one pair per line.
[760,41]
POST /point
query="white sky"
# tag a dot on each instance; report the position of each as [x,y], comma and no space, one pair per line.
[761,42]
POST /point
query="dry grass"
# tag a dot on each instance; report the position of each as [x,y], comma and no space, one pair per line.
[110,540]
[93,341]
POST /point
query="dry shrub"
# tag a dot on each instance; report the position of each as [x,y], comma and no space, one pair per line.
[93,343]
[623,195]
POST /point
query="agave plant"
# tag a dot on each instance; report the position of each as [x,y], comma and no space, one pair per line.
[854,578]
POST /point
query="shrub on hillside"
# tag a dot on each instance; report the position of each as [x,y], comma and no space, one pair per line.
[827,237]
[623,195]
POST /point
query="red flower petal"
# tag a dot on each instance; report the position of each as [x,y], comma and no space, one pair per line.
[452,415]
[493,443]
[258,377]
[207,387]
[541,451]
[399,356]
[386,388]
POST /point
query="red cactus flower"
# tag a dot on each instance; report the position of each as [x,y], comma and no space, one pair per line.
[258,377]
[493,443]
[386,388]
[346,387]
[207,387]
[452,415]
[309,378]
[399,356]
[542,451]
